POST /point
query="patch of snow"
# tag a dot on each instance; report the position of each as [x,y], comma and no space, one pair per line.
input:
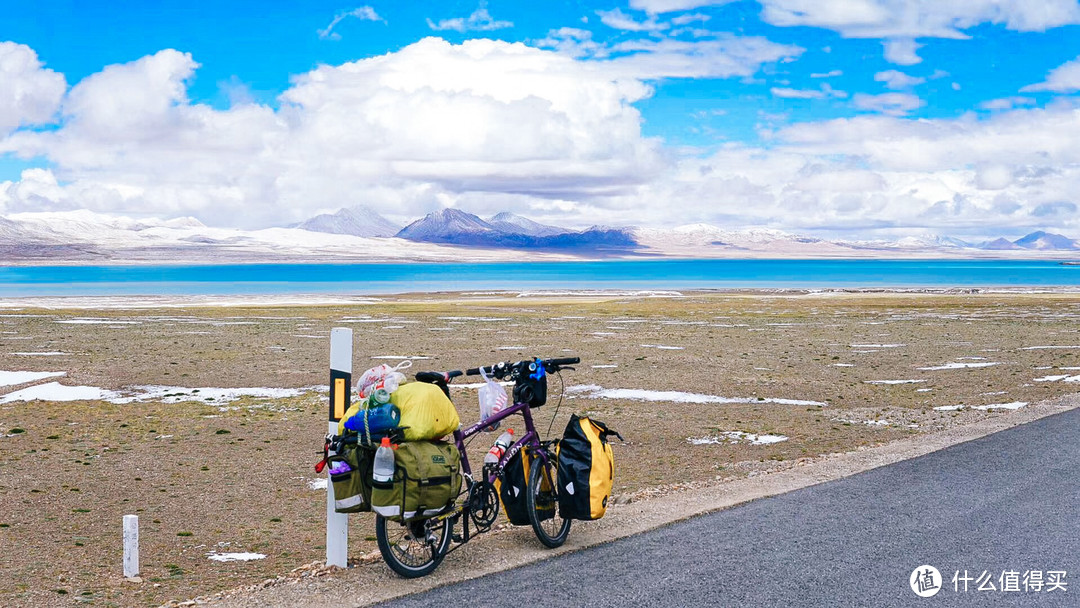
[54,391]
[13,378]
[923,390]
[843,365]
[866,422]
[1051,378]
[1046,347]
[604,366]
[736,437]
[893,381]
[957,366]
[948,408]
[317,484]
[235,557]
[1001,406]
[513,347]
[177,394]
[662,347]
[97,322]
[593,391]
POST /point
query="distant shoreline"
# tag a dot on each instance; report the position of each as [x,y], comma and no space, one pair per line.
[135,302]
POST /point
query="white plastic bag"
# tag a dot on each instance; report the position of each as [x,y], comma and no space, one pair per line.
[493,400]
[381,377]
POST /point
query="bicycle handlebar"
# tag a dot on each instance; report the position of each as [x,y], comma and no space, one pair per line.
[437,377]
[549,364]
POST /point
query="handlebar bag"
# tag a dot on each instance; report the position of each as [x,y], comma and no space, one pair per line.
[426,412]
[427,480]
[586,469]
[531,387]
[352,486]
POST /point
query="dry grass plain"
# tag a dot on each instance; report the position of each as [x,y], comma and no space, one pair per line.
[217,476]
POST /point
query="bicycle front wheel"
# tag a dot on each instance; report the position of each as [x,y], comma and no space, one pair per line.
[542,503]
[413,549]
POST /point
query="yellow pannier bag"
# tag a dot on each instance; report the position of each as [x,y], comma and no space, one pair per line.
[426,412]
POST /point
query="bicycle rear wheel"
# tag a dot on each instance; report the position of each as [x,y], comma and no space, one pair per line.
[542,503]
[413,549]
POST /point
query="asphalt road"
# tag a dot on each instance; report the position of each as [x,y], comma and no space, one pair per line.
[1004,503]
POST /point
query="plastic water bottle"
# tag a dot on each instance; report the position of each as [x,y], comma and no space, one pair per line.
[378,397]
[383,469]
[496,452]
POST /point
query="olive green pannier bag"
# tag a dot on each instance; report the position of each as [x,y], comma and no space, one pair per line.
[427,479]
[352,489]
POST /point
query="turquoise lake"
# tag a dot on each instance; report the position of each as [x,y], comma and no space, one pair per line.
[22,281]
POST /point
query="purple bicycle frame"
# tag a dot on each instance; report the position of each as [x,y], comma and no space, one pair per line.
[531,437]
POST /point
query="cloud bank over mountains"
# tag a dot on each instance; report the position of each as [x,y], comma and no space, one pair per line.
[554,128]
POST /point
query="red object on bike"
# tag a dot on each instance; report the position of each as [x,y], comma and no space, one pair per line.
[496,452]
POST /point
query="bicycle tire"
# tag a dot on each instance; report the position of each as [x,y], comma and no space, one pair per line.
[406,555]
[542,503]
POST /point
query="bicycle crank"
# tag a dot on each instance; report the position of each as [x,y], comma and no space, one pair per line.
[483,505]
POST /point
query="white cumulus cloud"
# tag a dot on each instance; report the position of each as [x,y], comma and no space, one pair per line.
[1062,79]
[895,104]
[919,18]
[29,92]
[900,22]
[407,131]
[364,13]
[479,21]
[668,6]
[897,80]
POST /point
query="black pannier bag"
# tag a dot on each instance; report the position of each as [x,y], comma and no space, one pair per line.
[513,488]
[586,469]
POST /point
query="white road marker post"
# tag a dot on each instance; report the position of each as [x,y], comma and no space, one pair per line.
[337,524]
[131,546]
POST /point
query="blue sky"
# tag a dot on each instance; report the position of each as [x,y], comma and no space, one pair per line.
[851,116]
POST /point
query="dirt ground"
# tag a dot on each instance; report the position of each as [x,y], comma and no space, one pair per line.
[235,476]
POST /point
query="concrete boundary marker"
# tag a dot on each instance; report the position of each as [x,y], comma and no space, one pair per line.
[337,524]
[131,546]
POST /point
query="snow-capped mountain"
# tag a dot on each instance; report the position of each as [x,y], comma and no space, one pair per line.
[706,240]
[509,222]
[453,226]
[448,226]
[83,236]
[999,244]
[1045,241]
[447,235]
[359,220]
